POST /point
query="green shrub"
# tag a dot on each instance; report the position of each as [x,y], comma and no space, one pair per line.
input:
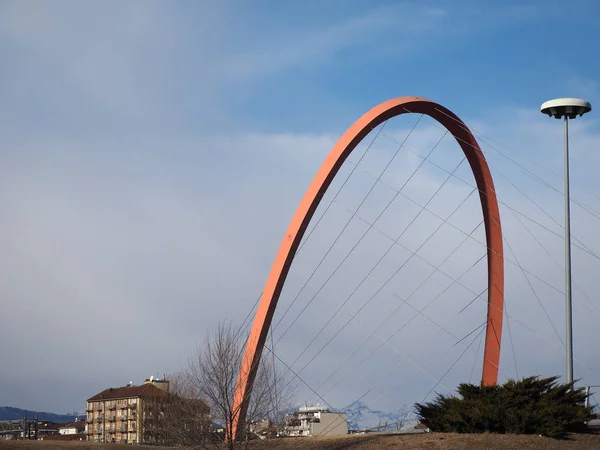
[531,406]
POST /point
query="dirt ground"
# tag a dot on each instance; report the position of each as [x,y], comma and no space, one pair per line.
[367,442]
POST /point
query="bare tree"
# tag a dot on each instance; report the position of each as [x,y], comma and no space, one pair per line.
[213,372]
[204,391]
[178,417]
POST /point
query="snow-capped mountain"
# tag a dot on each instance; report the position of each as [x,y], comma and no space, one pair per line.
[361,417]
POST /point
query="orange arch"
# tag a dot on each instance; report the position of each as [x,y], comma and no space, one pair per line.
[310,202]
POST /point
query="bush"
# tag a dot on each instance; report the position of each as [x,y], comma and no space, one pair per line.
[531,406]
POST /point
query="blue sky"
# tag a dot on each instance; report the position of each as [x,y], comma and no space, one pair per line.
[168,66]
[151,151]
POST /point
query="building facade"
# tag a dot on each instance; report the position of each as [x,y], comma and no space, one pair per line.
[316,421]
[77,427]
[119,414]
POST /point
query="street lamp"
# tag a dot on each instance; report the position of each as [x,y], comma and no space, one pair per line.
[569,108]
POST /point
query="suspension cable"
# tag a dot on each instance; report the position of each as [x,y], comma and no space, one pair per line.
[368,276]
[346,225]
[591,253]
[380,288]
[342,186]
[475,359]
[481,156]
[534,292]
[552,258]
[512,345]
[483,139]
[419,311]
[410,376]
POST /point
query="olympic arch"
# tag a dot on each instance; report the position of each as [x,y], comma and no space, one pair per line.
[310,202]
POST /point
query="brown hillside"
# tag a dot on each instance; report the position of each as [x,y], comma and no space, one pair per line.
[408,442]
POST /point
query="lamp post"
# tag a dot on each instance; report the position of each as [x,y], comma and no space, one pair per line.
[567,108]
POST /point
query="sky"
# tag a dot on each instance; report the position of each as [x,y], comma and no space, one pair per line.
[153,153]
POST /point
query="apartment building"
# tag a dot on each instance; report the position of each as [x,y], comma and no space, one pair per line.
[316,421]
[117,414]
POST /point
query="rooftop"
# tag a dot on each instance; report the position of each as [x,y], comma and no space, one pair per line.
[144,390]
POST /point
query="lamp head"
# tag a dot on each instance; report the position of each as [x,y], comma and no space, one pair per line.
[569,107]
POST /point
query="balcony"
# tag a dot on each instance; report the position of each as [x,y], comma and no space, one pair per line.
[112,419]
[132,405]
[122,430]
[123,406]
[89,409]
[112,406]
[99,419]
[124,417]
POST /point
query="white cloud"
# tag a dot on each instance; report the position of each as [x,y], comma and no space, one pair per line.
[583,87]
[98,51]
[301,47]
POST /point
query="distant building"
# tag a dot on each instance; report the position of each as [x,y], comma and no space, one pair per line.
[72,431]
[77,427]
[42,430]
[10,429]
[148,413]
[316,421]
[260,427]
[116,414]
